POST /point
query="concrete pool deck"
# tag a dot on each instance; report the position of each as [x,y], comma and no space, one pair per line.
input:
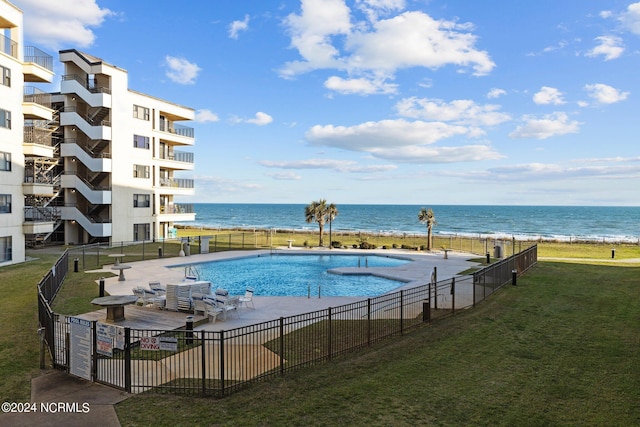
[269,308]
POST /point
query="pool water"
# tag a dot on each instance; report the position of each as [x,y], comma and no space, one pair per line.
[299,275]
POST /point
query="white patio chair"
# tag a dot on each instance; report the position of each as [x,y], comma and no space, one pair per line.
[198,304]
[228,305]
[247,298]
[212,309]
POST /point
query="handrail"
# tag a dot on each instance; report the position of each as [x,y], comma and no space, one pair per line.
[87,183]
[85,84]
[8,46]
[35,55]
[86,149]
[86,118]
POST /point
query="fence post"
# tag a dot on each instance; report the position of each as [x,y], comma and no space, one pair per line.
[127,359]
[426,309]
[329,349]
[453,295]
[401,312]
[368,321]
[203,360]
[281,345]
[221,357]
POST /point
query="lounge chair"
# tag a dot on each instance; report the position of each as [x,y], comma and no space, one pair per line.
[247,298]
[227,305]
[198,303]
[158,288]
[212,309]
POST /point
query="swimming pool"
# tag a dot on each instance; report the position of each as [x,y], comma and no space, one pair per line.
[299,275]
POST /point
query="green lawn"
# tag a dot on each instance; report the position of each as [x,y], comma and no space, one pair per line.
[561,348]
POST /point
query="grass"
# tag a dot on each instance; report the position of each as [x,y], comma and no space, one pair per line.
[558,349]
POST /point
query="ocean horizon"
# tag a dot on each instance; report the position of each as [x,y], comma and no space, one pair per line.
[559,223]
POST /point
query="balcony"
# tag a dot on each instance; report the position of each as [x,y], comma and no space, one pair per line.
[177,133]
[37,139]
[177,212]
[36,104]
[179,160]
[39,219]
[8,46]
[176,182]
[37,65]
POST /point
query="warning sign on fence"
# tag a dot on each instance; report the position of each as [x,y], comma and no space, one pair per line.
[159,343]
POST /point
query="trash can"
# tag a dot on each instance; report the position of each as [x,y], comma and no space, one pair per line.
[497,251]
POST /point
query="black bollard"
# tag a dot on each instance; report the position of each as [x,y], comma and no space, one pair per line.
[75,265]
[189,334]
[514,277]
[488,258]
[101,282]
[613,253]
[159,251]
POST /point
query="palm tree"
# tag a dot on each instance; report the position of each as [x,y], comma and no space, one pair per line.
[332,213]
[320,212]
[427,217]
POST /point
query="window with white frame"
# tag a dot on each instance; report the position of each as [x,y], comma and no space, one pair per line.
[5,118]
[140,112]
[5,203]
[5,249]
[141,232]
[140,141]
[5,76]
[141,200]
[5,161]
[140,171]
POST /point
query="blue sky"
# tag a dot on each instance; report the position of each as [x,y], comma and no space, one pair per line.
[383,101]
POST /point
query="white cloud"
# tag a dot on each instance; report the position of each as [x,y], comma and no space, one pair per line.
[285,176]
[402,140]
[181,71]
[260,119]
[62,24]
[605,94]
[360,86]
[548,95]
[205,116]
[461,111]
[631,18]
[496,93]
[236,26]
[549,125]
[331,164]
[610,47]
[327,36]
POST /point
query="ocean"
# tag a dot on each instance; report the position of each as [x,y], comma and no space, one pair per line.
[561,223]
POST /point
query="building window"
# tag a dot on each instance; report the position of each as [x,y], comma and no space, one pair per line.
[141,201]
[5,118]
[140,171]
[140,141]
[5,161]
[140,112]
[5,249]
[141,232]
[5,77]
[5,203]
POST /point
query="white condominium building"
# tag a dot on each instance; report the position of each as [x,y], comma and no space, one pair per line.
[120,152]
[26,131]
[95,162]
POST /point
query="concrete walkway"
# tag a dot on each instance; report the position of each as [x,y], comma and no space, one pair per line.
[74,402]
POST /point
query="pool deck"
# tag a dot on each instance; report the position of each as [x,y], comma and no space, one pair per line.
[267,308]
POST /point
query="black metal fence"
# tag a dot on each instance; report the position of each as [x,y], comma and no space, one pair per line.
[220,362]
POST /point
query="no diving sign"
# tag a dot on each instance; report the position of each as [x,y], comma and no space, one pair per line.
[159,343]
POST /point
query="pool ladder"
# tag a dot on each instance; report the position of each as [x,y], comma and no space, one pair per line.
[309,291]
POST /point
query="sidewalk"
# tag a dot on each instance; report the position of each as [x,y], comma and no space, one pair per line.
[71,401]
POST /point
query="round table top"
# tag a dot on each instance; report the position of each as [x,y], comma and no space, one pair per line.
[120,267]
[116,255]
[115,300]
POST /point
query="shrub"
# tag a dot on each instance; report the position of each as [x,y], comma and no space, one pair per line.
[336,244]
[367,245]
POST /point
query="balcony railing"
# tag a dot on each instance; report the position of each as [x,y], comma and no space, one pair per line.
[41,214]
[8,46]
[177,129]
[37,96]
[178,208]
[35,55]
[89,84]
[35,134]
[86,149]
[176,182]
[179,156]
